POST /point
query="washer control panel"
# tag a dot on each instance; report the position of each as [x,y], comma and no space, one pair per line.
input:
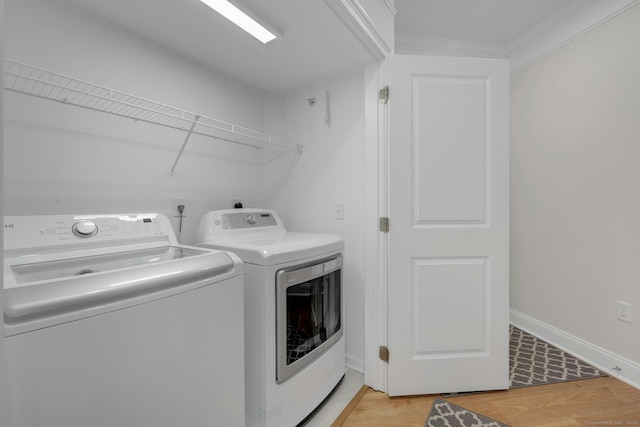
[84,228]
[54,230]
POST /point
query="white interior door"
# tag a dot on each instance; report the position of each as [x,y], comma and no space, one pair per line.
[448,293]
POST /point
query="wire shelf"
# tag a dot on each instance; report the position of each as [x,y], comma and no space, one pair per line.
[30,80]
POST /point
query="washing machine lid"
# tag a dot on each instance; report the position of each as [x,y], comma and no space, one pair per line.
[51,268]
[65,268]
[274,250]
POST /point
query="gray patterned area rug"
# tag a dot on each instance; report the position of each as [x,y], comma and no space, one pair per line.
[446,414]
[533,361]
[536,362]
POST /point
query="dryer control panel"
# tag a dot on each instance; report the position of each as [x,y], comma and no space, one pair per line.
[244,223]
[236,220]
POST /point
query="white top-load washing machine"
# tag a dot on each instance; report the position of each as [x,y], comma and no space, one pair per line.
[294,343]
[108,321]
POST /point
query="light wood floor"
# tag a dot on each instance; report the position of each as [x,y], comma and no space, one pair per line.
[597,402]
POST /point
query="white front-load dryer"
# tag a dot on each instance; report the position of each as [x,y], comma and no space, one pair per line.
[294,341]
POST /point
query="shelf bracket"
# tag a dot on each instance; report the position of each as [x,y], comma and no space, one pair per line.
[184,144]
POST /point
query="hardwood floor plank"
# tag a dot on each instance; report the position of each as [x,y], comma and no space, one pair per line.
[376,409]
[598,401]
[347,410]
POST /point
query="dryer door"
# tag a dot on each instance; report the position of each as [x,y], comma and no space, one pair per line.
[308,314]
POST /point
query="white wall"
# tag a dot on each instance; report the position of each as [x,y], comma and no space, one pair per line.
[125,165]
[63,159]
[330,170]
[575,179]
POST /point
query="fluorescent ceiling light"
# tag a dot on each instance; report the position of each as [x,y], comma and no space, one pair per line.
[241,19]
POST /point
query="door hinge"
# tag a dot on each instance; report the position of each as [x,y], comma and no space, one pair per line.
[384,224]
[383,353]
[383,95]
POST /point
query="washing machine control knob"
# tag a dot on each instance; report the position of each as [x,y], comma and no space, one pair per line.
[84,229]
[250,219]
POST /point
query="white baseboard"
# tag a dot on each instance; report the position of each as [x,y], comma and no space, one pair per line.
[355,363]
[602,359]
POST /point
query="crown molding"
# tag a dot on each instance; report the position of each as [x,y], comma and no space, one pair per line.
[559,18]
[550,34]
[558,30]
[413,44]
[358,21]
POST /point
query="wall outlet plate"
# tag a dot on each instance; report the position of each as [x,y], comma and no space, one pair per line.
[623,310]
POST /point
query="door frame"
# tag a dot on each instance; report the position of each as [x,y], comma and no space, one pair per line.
[376,143]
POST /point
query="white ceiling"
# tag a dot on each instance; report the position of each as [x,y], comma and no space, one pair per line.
[308,50]
[488,21]
[314,42]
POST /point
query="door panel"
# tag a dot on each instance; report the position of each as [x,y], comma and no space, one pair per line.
[462,281]
[449,144]
[448,243]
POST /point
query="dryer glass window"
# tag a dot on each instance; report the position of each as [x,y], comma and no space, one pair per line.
[308,313]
